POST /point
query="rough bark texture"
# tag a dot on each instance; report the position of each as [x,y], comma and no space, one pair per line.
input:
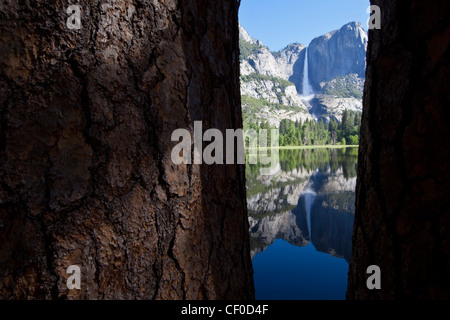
[86,174]
[402,221]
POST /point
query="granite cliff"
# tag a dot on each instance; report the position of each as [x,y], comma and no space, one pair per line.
[336,74]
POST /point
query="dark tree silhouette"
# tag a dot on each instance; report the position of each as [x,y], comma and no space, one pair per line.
[402,221]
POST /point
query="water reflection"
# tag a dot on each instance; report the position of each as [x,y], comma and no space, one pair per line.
[309,202]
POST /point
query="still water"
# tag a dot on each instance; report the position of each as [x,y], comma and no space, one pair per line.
[301,223]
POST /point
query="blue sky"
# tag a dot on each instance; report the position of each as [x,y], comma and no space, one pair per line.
[278,23]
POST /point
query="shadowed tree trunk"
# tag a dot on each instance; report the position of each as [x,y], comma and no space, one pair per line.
[402,221]
[86,174]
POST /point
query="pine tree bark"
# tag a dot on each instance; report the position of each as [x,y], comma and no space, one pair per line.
[86,174]
[402,219]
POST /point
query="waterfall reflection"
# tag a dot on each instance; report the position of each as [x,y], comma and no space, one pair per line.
[309,201]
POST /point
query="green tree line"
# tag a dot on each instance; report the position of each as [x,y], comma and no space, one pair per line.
[315,133]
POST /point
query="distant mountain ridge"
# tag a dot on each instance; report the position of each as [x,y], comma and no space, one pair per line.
[336,63]
[338,53]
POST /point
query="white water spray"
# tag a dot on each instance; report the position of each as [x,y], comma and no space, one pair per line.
[308,92]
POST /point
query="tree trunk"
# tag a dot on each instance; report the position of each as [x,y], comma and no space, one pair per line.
[86,172]
[402,219]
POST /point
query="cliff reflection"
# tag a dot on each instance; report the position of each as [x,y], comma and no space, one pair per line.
[309,200]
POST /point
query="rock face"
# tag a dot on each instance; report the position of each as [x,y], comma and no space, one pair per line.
[278,102]
[85,149]
[327,106]
[264,63]
[243,35]
[273,91]
[336,69]
[287,62]
[337,53]
[402,221]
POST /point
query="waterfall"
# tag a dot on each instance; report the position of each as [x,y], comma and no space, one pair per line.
[307,89]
